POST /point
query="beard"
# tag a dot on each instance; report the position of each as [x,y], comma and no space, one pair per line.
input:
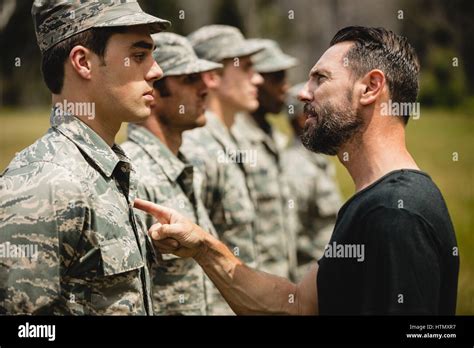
[330,127]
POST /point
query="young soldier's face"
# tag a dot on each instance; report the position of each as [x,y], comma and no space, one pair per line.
[183,104]
[272,93]
[123,87]
[238,84]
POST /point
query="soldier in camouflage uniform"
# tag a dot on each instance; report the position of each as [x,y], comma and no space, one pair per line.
[212,148]
[275,238]
[69,195]
[179,286]
[312,182]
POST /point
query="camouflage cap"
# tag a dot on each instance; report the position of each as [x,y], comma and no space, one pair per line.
[57,20]
[295,106]
[271,58]
[218,42]
[175,55]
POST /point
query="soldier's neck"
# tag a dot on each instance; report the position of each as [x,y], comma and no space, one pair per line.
[223,111]
[106,127]
[259,116]
[170,136]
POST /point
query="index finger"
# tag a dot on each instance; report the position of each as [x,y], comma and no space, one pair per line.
[162,214]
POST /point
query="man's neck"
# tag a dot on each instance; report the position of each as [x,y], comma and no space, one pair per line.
[106,128]
[370,156]
[171,137]
[260,118]
[223,111]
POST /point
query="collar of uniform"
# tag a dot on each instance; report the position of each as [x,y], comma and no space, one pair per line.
[219,131]
[98,151]
[171,165]
[247,128]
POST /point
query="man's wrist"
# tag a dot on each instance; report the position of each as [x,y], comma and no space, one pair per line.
[203,249]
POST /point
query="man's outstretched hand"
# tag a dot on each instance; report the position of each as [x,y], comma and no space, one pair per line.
[173,233]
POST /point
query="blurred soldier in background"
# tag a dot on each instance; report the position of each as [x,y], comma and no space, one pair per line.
[275,220]
[212,148]
[165,175]
[311,177]
[68,197]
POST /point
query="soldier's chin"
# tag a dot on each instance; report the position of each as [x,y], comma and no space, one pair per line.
[200,121]
[251,105]
[139,115]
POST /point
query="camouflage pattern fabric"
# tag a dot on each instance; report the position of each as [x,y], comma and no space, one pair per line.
[225,192]
[274,235]
[317,199]
[175,56]
[217,42]
[57,20]
[68,197]
[271,58]
[179,286]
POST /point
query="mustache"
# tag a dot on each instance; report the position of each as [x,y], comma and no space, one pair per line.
[309,110]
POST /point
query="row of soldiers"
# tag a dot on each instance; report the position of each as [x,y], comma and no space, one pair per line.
[208,150]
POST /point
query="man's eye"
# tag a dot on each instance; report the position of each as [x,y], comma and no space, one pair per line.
[321,78]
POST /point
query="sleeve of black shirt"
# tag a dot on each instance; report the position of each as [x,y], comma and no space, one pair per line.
[401,264]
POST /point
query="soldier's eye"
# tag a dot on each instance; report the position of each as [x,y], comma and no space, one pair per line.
[139,57]
[191,79]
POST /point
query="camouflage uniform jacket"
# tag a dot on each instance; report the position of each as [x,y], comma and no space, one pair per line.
[225,191]
[178,285]
[317,201]
[274,235]
[69,197]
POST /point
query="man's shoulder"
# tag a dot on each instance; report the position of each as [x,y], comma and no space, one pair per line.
[51,152]
[201,149]
[408,189]
[132,150]
[145,166]
[198,139]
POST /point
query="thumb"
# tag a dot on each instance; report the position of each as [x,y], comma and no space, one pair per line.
[162,214]
[176,231]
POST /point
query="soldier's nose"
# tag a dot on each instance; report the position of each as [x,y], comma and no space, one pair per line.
[155,72]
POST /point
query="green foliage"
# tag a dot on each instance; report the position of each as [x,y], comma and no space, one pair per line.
[443,80]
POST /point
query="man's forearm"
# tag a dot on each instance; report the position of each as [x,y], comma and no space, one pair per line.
[246,290]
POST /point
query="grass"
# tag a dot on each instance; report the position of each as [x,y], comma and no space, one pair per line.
[432,139]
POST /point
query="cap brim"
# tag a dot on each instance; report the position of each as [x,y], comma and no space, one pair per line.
[247,48]
[137,18]
[197,66]
[282,62]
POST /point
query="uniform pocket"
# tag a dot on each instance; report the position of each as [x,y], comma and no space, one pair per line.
[120,255]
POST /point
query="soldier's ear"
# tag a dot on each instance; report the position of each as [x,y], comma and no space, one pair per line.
[80,59]
[211,79]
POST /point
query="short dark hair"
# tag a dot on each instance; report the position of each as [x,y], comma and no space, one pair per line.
[52,63]
[379,48]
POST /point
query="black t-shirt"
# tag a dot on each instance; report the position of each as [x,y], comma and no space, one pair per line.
[393,251]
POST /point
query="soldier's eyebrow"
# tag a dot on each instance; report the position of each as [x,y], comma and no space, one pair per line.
[143,44]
